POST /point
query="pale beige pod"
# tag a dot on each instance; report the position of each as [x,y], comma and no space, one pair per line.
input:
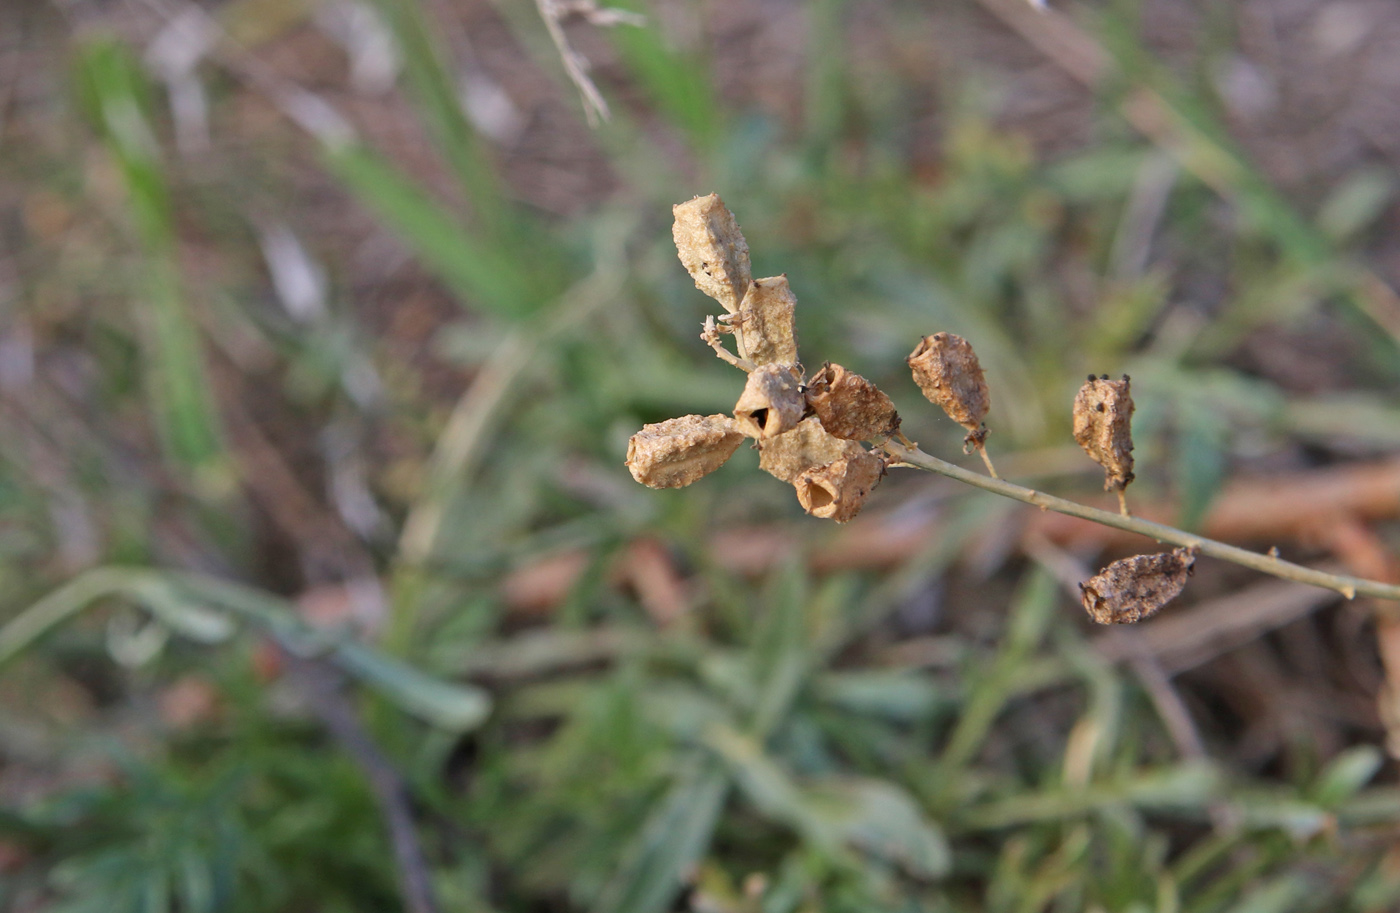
[950,376]
[676,452]
[805,447]
[772,402]
[1103,426]
[713,249]
[767,322]
[838,490]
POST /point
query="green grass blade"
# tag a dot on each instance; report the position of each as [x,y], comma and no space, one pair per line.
[479,271]
[435,91]
[673,840]
[677,84]
[115,94]
[1031,614]
[188,603]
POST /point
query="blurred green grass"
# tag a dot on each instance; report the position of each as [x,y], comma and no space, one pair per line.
[767,750]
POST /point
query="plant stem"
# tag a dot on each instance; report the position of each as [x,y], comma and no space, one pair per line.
[982,452]
[1350,587]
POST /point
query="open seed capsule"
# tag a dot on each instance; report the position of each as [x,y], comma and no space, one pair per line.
[772,402]
[849,406]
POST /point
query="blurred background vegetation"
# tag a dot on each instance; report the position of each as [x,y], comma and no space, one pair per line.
[325,325]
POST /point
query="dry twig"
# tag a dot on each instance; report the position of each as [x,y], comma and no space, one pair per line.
[1350,587]
[554,13]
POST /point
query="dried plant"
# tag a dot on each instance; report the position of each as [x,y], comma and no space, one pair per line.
[811,433]
[676,452]
[555,13]
[1132,589]
[849,406]
[772,402]
[1103,426]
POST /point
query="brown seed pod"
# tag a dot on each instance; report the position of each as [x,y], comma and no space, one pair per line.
[766,322]
[849,406]
[805,447]
[713,249]
[947,370]
[837,491]
[772,402]
[1103,426]
[1132,589]
[676,452]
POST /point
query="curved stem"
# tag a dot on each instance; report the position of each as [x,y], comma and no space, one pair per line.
[56,608]
[982,452]
[1350,587]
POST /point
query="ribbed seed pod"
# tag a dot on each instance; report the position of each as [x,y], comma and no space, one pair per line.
[767,322]
[805,447]
[837,491]
[1132,589]
[948,372]
[713,249]
[849,406]
[772,402]
[1103,426]
[676,452]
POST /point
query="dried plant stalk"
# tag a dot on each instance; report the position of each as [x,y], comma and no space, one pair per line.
[837,491]
[1103,426]
[832,475]
[948,372]
[676,452]
[767,322]
[1129,590]
[772,402]
[807,446]
[849,406]
[713,250]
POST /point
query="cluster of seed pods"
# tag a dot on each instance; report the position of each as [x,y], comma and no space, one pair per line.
[812,432]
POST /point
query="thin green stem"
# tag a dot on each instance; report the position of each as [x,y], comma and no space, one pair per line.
[1350,587]
[56,608]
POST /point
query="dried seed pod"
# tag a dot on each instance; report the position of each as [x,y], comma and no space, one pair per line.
[849,406]
[805,447]
[1132,589]
[837,491]
[676,452]
[772,402]
[766,322]
[947,370]
[1103,426]
[712,249]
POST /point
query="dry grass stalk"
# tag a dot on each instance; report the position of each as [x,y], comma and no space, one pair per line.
[554,13]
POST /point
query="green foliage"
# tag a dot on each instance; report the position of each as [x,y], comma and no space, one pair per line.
[115,94]
[769,749]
